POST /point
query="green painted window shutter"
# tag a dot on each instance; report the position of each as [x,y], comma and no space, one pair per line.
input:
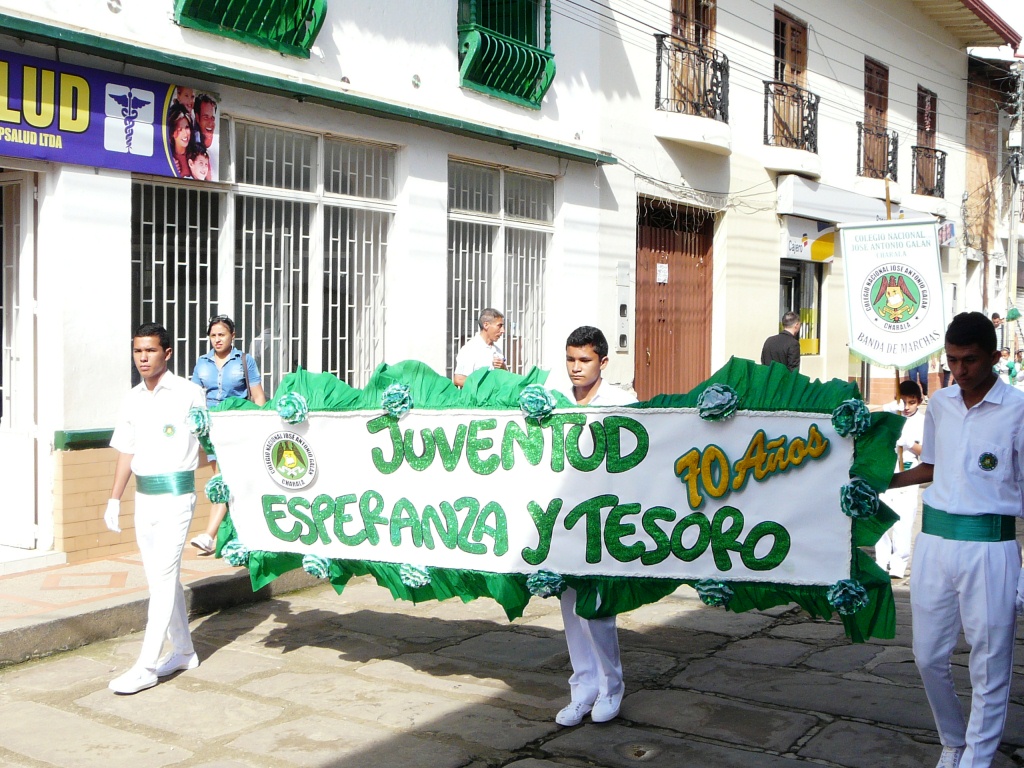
[504,51]
[288,26]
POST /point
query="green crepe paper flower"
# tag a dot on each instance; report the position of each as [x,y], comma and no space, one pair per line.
[847,596]
[217,490]
[851,418]
[293,408]
[397,400]
[718,402]
[198,422]
[317,566]
[235,553]
[413,576]
[713,592]
[858,499]
[1013,314]
[545,584]
[536,402]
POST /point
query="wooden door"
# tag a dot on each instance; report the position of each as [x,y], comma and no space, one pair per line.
[693,27]
[673,298]
[790,70]
[876,110]
[927,109]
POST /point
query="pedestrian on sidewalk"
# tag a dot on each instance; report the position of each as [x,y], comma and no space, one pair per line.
[784,347]
[154,442]
[223,372]
[596,682]
[967,565]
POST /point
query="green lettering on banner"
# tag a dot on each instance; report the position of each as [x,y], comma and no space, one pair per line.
[498,532]
[370,505]
[591,508]
[572,447]
[476,444]
[661,540]
[556,423]
[700,546]
[531,442]
[544,519]
[448,532]
[272,513]
[724,541]
[615,530]
[390,423]
[775,556]
[404,515]
[450,452]
[322,508]
[294,504]
[472,507]
[618,463]
[422,461]
[341,516]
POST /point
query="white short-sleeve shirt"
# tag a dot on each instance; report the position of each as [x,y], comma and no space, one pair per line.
[609,394]
[153,426]
[977,453]
[474,355]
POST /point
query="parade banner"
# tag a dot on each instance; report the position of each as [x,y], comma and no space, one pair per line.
[741,488]
[894,291]
[67,114]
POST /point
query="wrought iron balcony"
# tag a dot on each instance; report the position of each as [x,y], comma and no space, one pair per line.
[790,116]
[877,152]
[692,79]
[928,167]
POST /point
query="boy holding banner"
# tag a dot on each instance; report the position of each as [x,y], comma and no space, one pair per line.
[596,681]
[967,566]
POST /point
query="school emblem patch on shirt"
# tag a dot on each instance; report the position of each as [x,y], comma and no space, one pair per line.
[169,430]
[988,461]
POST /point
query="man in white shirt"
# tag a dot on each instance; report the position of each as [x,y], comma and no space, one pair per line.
[596,681]
[480,351]
[967,561]
[155,444]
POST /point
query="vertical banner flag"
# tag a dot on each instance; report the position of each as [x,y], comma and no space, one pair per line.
[894,290]
[66,114]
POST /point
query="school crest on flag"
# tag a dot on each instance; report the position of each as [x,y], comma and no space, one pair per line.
[894,291]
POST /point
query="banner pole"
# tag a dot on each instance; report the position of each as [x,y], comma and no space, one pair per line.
[888,217]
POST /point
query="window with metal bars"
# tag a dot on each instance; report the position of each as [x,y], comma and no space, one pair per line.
[499,226]
[288,26]
[299,267]
[505,49]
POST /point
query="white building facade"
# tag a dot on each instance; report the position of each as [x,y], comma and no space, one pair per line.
[668,170]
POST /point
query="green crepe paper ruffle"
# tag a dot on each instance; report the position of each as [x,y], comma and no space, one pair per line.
[767,388]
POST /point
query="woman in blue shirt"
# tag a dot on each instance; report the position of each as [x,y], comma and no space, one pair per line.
[221,374]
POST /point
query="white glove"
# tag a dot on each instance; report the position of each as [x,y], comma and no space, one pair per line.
[112,514]
[1020,594]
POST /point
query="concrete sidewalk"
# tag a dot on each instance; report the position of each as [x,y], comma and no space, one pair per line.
[52,608]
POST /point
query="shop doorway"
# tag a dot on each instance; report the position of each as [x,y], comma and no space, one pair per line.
[18,469]
[673,298]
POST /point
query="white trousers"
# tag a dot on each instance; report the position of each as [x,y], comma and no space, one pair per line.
[161,527]
[971,584]
[594,653]
[892,552]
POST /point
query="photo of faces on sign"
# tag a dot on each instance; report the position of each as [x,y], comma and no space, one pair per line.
[193,132]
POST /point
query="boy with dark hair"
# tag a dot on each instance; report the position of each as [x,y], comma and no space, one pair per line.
[967,562]
[596,681]
[892,552]
[154,442]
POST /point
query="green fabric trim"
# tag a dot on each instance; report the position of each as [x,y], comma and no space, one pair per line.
[771,388]
[990,528]
[173,483]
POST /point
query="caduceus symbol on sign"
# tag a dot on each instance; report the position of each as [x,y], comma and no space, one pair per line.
[130,106]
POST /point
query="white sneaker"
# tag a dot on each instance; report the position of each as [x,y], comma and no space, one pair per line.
[173,662]
[950,757]
[205,544]
[606,708]
[573,713]
[134,680]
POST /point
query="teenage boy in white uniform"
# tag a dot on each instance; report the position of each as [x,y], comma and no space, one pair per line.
[154,442]
[596,681]
[892,552]
[966,562]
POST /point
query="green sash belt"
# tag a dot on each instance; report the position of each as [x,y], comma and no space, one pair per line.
[174,483]
[968,527]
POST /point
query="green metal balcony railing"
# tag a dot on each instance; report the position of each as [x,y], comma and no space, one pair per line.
[499,49]
[288,26]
